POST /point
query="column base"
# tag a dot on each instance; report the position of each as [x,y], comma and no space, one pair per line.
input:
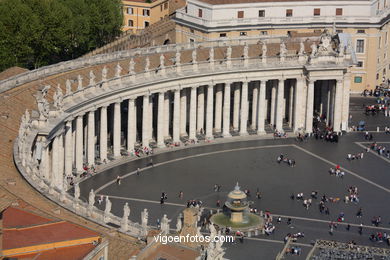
[210,137]
[225,135]
[261,132]
[244,133]
[161,145]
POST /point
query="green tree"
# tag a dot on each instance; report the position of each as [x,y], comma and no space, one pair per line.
[35,33]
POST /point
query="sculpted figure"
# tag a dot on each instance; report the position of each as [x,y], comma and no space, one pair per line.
[91,78]
[118,70]
[131,66]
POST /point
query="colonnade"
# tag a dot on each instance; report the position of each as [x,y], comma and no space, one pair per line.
[208,111]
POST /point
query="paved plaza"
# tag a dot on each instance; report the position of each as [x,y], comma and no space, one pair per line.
[252,162]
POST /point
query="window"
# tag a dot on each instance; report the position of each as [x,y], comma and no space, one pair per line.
[361,31]
[192,31]
[130,23]
[317,12]
[222,35]
[166,6]
[339,31]
[146,24]
[200,13]
[186,9]
[146,12]
[384,71]
[192,40]
[339,11]
[377,76]
[129,10]
[261,13]
[359,46]
[161,7]
[359,64]
[240,14]
[386,38]
[358,79]
[289,12]
[243,33]
[264,33]
[380,42]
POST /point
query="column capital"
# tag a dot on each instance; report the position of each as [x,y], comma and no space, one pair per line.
[131,98]
[69,120]
[81,114]
[228,82]
[194,87]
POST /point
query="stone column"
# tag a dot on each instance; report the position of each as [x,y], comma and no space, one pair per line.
[261,108]
[209,112]
[200,117]
[91,138]
[309,107]
[117,130]
[54,160]
[226,111]
[68,148]
[103,133]
[244,109]
[279,106]
[145,121]
[150,119]
[167,108]
[131,124]
[160,120]
[331,102]
[79,143]
[298,111]
[236,108]
[328,103]
[218,108]
[338,102]
[183,112]
[61,162]
[346,99]
[45,164]
[176,116]
[255,95]
[192,130]
[273,104]
[290,106]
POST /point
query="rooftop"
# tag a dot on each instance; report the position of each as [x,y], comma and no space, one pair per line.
[225,2]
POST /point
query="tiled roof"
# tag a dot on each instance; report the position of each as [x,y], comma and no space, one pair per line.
[173,251]
[66,253]
[13,218]
[42,234]
[11,72]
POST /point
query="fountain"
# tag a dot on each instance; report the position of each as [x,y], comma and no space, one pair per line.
[236,215]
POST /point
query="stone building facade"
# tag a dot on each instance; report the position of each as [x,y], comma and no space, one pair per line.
[366,24]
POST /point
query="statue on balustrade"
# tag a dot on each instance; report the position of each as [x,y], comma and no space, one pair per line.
[58,99]
[131,66]
[43,104]
[118,70]
[91,78]
[68,87]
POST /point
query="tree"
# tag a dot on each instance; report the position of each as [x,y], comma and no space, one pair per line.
[35,33]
